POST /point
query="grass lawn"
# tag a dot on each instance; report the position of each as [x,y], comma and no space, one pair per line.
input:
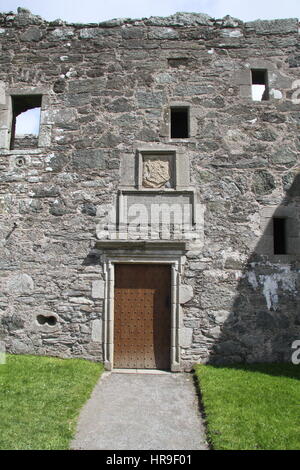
[251,407]
[40,399]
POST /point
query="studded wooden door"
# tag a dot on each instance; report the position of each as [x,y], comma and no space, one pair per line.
[142,317]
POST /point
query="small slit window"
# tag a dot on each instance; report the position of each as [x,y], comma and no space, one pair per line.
[26,111]
[279,236]
[179,123]
[259,82]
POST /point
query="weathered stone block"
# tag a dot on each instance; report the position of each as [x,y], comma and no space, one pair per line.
[89,209]
[291,184]
[186,336]
[150,99]
[120,105]
[61,34]
[231,33]
[80,300]
[263,182]
[20,284]
[84,159]
[266,135]
[181,19]
[133,33]
[89,33]
[163,33]
[63,118]
[294,60]
[191,90]
[58,208]
[284,156]
[97,331]
[45,191]
[59,86]
[20,347]
[98,289]
[286,26]
[32,34]
[186,293]
[87,85]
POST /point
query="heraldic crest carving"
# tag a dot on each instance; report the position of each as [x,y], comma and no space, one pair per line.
[157,172]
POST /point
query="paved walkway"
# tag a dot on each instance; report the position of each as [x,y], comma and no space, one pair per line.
[141,411]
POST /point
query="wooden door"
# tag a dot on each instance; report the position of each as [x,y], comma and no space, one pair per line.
[142,317]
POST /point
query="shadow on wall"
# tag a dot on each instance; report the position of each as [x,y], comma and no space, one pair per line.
[264,319]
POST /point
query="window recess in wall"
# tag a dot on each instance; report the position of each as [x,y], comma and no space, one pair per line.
[259,84]
[279,236]
[179,117]
[26,112]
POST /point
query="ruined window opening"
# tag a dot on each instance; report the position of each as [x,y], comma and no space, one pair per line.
[279,236]
[259,81]
[26,112]
[179,123]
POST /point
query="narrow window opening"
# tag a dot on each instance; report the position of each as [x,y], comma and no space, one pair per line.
[179,123]
[279,236]
[260,91]
[26,110]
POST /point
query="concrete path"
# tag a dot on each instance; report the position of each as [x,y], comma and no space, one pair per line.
[141,411]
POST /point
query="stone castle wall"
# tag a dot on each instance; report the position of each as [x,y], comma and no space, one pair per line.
[107,91]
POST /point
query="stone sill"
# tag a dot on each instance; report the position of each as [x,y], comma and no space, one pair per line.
[34,151]
[186,140]
[177,190]
[141,244]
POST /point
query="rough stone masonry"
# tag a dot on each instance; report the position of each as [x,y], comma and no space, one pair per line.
[108,93]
